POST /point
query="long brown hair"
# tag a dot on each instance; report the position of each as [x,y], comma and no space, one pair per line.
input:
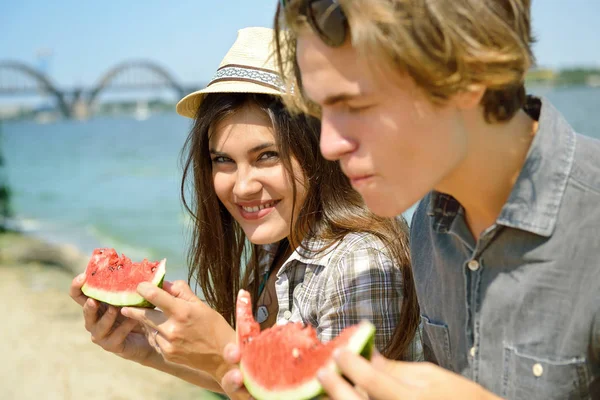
[221,260]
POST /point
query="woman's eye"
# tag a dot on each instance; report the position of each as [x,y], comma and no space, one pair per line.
[269,155]
[220,160]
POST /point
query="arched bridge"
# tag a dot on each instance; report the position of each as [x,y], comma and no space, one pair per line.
[135,75]
[18,78]
[38,82]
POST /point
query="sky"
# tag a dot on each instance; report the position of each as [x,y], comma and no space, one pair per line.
[84,39]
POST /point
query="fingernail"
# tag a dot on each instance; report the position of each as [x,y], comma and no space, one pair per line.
[124,311]
[228,353]
[238,378]
[322,374]
[144,288]
[336,354]
[81,277]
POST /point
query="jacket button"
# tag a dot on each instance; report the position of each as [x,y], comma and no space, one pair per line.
[473,265]
[538,370]
[287,314]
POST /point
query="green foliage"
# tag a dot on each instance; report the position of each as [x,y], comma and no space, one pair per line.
[5,210]
[577,76]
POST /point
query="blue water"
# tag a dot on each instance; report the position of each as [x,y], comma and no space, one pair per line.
[115,181]
[104,182]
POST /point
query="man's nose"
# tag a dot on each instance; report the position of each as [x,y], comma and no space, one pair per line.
[334,142]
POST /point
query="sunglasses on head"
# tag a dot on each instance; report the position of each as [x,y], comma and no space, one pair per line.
[327,19]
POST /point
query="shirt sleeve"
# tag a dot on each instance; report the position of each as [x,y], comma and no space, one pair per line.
[363,284]
[595,346]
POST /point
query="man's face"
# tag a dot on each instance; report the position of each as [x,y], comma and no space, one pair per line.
[393,144]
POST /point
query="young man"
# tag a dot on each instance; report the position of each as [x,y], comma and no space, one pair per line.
[424,100]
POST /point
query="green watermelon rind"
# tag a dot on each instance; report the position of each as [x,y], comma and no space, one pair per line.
[361,342]
[126,299]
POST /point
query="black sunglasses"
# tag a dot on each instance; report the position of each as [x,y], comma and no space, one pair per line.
[327,19]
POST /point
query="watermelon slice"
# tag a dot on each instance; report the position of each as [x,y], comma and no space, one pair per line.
[282,362]
[113,279]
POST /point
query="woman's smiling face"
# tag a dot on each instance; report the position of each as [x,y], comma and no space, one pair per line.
[249,177]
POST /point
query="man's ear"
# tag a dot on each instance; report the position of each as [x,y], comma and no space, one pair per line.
[470,97]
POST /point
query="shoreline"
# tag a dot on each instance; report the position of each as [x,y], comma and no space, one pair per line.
[25,248]
[47,352]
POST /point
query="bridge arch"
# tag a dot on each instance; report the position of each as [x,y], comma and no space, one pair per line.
[155,68]
[42,82]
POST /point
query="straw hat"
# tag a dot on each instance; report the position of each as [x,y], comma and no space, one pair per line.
[248,67]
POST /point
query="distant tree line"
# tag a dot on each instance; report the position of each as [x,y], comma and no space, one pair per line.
[564,77]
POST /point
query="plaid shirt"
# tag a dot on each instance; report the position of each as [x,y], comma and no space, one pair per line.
[350,281]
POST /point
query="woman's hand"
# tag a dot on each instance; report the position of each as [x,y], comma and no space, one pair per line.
[185,329]
[110,330]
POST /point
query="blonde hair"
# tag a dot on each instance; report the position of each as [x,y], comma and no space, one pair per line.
[445,46]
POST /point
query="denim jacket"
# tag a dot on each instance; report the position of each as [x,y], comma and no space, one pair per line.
[518,309]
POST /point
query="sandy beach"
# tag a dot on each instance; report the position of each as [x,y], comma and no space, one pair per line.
[46,352]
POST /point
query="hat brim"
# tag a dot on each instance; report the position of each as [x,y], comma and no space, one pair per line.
[188,106]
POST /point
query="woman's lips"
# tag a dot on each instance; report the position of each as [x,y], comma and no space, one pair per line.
[257,211]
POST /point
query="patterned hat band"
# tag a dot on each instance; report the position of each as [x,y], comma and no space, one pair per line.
[244,73]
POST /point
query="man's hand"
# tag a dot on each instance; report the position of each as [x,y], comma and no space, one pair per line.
[232,383]
[384,379]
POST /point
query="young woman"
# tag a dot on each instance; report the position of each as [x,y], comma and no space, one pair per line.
[271,215]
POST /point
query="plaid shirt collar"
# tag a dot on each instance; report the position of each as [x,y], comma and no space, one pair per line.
[307,253]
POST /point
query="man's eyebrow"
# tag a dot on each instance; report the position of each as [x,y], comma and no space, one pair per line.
[338,98]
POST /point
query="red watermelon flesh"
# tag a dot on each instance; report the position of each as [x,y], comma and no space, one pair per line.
[113,279]
[281,362]
[246,326]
